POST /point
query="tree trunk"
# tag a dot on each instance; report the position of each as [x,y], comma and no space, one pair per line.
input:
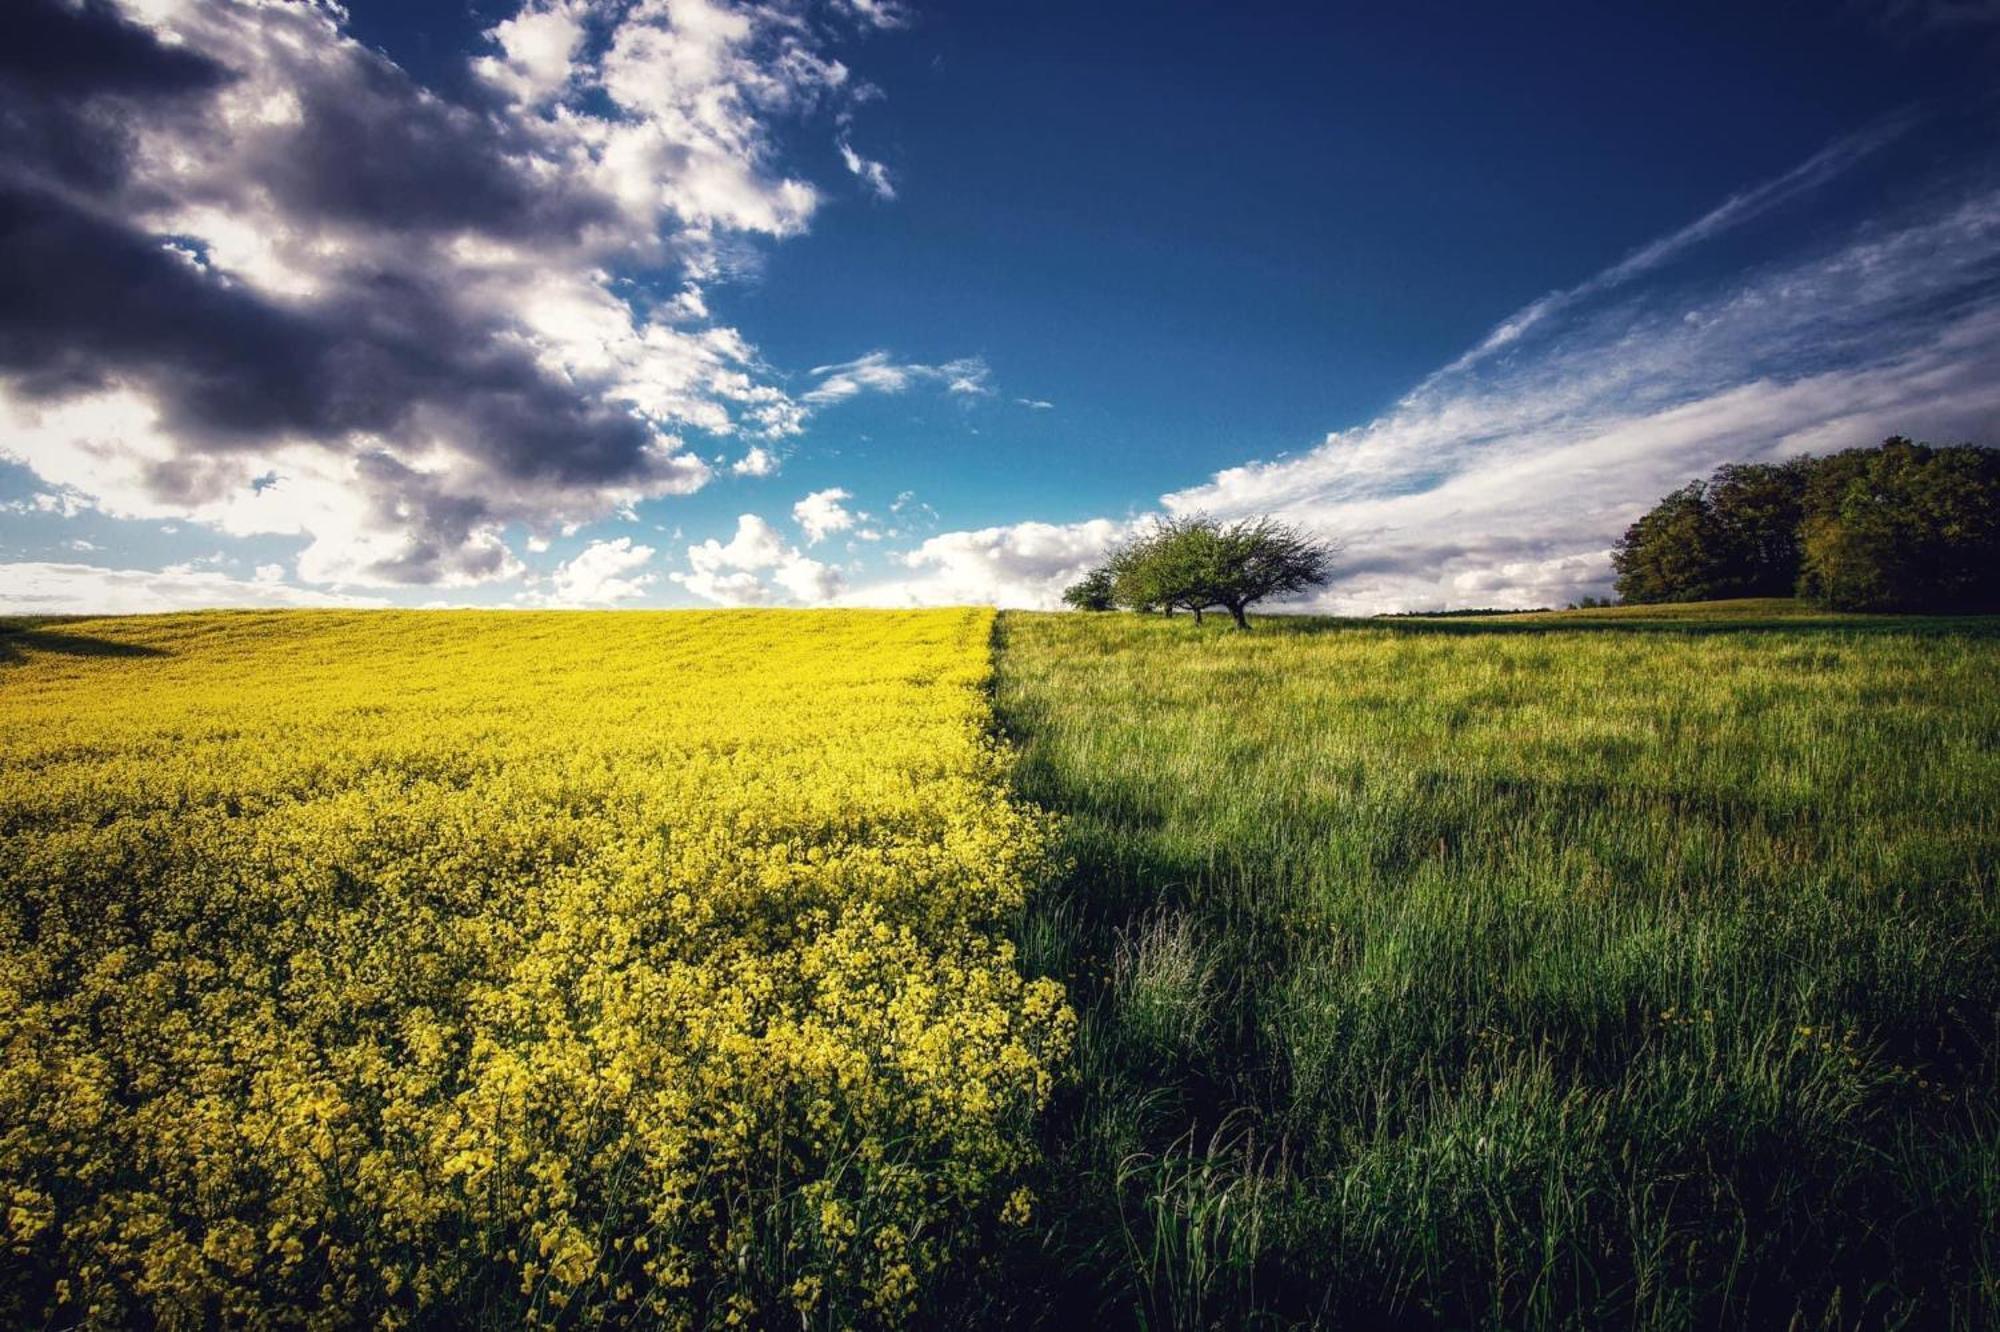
[1197,615]
[1236,614]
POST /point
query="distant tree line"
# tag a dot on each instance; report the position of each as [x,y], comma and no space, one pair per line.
[1199,564]
[1468,612]
[1904,527]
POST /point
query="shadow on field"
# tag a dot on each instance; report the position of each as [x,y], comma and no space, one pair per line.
[20,638]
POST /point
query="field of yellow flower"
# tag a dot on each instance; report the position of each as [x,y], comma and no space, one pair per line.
[441,967]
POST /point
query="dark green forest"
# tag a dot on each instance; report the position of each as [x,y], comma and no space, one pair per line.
[1901,527]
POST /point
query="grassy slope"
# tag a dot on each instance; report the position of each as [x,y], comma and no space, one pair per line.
[1635,967]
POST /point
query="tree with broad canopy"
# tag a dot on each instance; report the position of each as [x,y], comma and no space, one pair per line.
[1198,563]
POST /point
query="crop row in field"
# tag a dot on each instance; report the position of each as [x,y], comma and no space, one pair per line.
[468,967]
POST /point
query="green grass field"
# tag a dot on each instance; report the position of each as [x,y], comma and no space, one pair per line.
[1619,968]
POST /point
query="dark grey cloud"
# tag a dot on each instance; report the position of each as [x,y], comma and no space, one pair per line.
[237,245]
[55,48]
[386,154]
[71,76]
[85,302]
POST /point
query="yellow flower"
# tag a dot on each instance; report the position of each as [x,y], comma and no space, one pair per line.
[1019,1208]
[405,948]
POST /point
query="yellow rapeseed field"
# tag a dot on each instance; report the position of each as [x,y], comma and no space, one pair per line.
[442,967]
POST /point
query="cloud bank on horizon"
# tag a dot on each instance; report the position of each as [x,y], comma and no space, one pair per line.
[425,362]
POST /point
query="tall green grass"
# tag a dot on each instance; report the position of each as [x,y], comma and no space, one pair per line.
[1595,970]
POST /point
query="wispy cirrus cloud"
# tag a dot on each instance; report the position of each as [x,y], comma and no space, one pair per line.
[880,372]
[1504,478]
[873,174]
[1506,481]
[1733,212]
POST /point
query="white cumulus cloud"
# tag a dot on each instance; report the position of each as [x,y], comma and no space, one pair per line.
[822,513]
[1022,564]
[732,573]
[604,573]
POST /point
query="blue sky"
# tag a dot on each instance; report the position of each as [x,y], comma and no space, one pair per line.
[866,304]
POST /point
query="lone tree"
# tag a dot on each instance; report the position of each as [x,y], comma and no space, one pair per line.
[1093,593]
[1153,571]
[1256,559]
[1199,563]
